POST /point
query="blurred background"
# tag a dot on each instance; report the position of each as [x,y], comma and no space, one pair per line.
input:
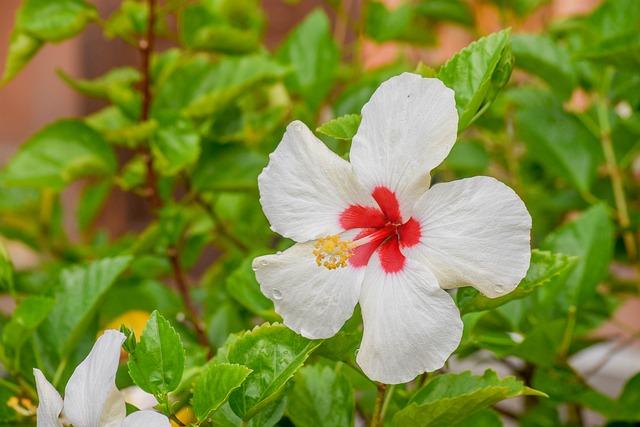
[37,96]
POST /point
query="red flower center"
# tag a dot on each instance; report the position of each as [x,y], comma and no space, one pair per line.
[385,227]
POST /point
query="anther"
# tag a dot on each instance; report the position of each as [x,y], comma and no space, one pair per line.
[331,252]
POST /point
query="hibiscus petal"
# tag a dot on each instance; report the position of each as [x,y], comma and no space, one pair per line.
[305,187]
[313,301]
[50,402]
[411,325]
[146,419]
[90,397]
[408,127]
[476,232]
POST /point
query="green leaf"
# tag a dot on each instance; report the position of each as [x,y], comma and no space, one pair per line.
[29,314]
[128,22]
[312,53]
[482,418]
[6,270]
[223,26]
[447,10]
[544,266]
[175,147]
[101,87]
[157,363]
[555,138]
[241,284]
[214,385]
[81,291]
[477,73]
[212,171]
[468,157]
[59,154]
[590,238]
[321,397]
[274,353]
[200,88]
[22,47]
[449,398]
[91,202]
[400,23]
[344,127]
[542,56]
[54,20]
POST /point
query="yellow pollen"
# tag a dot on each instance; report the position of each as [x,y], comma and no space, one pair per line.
[331,252]
[22,406]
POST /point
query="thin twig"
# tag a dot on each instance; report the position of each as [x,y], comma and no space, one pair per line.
[183,288]
[219,224]
[146,47]
[613,169]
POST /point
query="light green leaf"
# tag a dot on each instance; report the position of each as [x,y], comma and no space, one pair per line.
[22,47]
[274,353]
[482,418]
[313,54]
[91,202]
[402,23]
[555,138]
[157,363]
[590,238]
[214,386]
[542,56]
[6,270]
[54,20]
[59,154]
[201,88]
[128,22]
[220,27]
[544,266]
[449,398]
[102,86]
[477,73]
[29,314]
[344,127]
[81,291]
[321,397]
[447,10]
[175,147]
[241,284]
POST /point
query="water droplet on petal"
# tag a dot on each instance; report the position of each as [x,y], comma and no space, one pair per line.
[498,289]
[263,263]
[279,253]
[277,295]
[356,352]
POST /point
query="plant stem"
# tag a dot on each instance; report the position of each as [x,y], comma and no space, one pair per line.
[387,400]
[376,419]
[183,288]
[219,224]
[613,169]
[146,46]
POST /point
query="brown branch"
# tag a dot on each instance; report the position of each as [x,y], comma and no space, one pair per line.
[183,288]
[146,47]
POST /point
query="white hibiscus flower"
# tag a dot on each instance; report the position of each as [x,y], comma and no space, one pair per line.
[91,398]
[372,231]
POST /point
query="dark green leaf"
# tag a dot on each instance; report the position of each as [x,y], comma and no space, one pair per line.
[542,56]
[274,353]
[590,238]
[314,57]
[81,291]
[157,363]
[91,202]
[28,315]
[213,173]
[214,385]
[556,138]
[6,270]
[241,284]
[449,398]
[321,397]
